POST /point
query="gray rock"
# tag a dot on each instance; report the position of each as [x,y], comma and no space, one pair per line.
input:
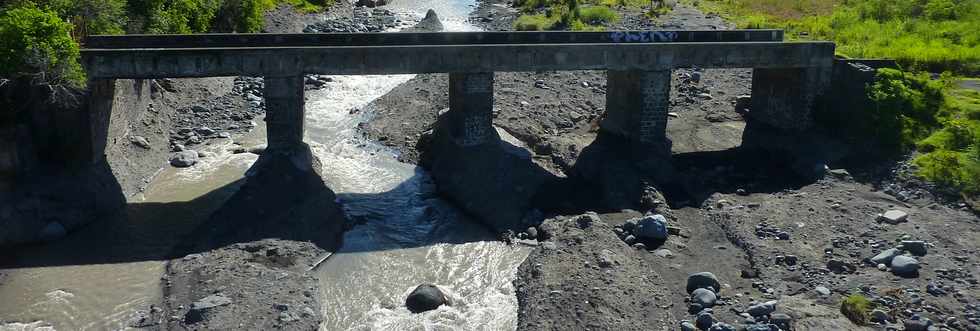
[199,109]
[532,232]
[200,307]
[762,309]
[783,321]
[703,280]
[630,239]
[894,216]
[140,141]
[879,316]
[663,252]
[430,23]
[184,159]
[886,256]
[821,290]
[688,326]
[705,297]
[916,247]
[721,327]
[704,319]
[653,227]
[53,231]
[205,131]
[903,265]
[425,297]
[917,324]
[758,327]
[607,259]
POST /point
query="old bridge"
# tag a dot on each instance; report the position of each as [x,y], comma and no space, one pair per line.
[787,75]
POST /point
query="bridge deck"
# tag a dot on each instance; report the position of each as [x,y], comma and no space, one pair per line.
[404,59]
[423,38]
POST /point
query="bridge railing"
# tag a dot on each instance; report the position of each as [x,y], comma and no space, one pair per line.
[425,39]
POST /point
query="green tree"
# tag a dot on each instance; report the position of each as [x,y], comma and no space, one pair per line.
[38,43]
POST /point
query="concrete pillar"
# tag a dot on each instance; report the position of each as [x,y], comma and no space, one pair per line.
[285,111]
[95,126]
[471,108]
[785,98]
[636,107]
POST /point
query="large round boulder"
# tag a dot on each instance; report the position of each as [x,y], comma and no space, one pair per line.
[703,280]
[184,159]
[652,227]
[424,298]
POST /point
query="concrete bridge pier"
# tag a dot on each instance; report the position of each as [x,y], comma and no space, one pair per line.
[636,109]
[784,99]
[285,111]
[470,116]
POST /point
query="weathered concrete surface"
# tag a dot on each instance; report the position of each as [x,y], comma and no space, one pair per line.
[372,60]
[420,37]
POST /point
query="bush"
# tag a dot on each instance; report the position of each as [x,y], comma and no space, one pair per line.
[597,15]
[856,308]
[36,42]
[904,108]
[536,22]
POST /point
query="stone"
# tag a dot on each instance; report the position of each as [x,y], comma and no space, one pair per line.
[790,260]
[822,290]
[703,280]
[630,239]
[762,309]
[704,319]
[184,159]
[664,253]
[721,327]
[879,316]
[532,232]
[917,324]
[783,321]
[916,247]
[199,109]
[696,77]
[688,326]
[840,267]
[705,297]
[200,307]
[894,216]
[653,227]
[205,131]
[140,141]
[904,265]
[53,231]
[606,259]
[886,256]
[424,298]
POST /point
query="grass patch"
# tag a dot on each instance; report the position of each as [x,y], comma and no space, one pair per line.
[534,22]
[856,308]
[934,35]
[597,15]
[576,15]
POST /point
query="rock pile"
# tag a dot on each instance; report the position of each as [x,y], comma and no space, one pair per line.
[896,259]
[649,231]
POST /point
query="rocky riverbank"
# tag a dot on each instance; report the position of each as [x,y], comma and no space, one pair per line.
[785,249]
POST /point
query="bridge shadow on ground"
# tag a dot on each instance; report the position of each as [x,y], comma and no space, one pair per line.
[275,203]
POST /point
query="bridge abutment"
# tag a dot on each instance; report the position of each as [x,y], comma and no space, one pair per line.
[636,108]
[285,111]
[785,98]
[471,108]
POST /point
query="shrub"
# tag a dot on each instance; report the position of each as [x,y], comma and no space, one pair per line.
[597,15]
[536,22]
[36,42]
[856,308]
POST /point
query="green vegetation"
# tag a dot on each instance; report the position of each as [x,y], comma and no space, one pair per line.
[567,14]
[40,37]
[933,35]
[857,308]
[37,43]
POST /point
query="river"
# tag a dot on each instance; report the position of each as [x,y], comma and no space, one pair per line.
[408,235]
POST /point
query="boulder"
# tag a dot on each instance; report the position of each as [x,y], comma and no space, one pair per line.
[783,321]
[430,23]
[916,247]
[703,280]
[762,309]
[424,298]
[904,265]
[894,216]
[704,319]
[184,159]
[886,256]
[704,297]
[653,227]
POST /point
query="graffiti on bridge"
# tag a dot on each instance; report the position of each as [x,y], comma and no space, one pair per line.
[643,36]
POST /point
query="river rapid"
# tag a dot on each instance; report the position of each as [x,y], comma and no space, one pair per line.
[405,236]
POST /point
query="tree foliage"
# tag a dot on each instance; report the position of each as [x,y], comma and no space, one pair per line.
[38,43]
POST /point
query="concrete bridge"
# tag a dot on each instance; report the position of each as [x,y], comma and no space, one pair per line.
[788,75]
